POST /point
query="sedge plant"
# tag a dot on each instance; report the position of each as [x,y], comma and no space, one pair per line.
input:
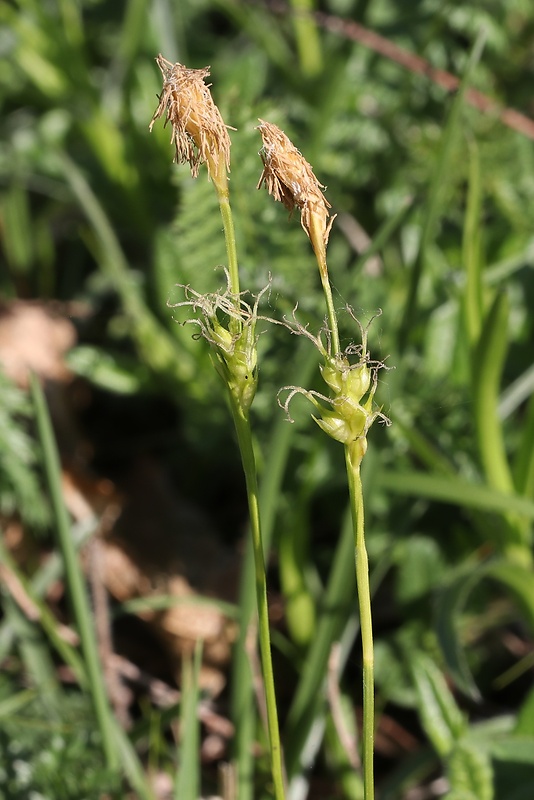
[348,412]
[228,323]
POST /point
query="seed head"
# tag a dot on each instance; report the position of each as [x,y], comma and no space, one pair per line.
[198,131]
[290,179]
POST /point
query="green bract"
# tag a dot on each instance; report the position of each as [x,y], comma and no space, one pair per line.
[228,323]
[348,419]
[237,363]
[341,377]
[348,414]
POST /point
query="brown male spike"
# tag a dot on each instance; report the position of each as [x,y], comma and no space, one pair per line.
[290,179]
[198,131]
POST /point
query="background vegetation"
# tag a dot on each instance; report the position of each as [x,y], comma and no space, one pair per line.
[434,191]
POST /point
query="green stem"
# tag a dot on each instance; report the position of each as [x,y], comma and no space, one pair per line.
[220,181]
[302,368]
[353,459]
[244,437]
[74,577]
[307,36]
[332,317]
[229,236]
[316,234]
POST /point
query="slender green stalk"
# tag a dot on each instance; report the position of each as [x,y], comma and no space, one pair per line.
[353,459]
[187,781]
[307,37]
[75,583]
[316,233]
[229,234]
[242,691]
[350,426]
[244,437]
[332,317]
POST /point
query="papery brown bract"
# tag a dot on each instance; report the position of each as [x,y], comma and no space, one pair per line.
[290,179]
[199,134]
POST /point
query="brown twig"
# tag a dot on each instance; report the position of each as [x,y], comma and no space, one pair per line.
[164,696]
[420,66]
[117,692]
[228,780]
[18,592]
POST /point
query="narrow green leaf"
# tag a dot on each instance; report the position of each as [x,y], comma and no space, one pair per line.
[46,620]
[130,763]
[293,558]
[380,240]
[157,347]
[457,491]
[525,719]
[505,268]
[335,612]
[524,462]
[441,718]
[73,573]
[472,299]
[10,706]
[243,699]
[187,784]
[113,372]
[132,32]
[256,23]
[451,602]
[439,182]
[163,601]
[426,451]
[515,749]
[520,390]
[307,36]
[420,565]
[35,655]
[469,770]
[71,16]
[16,228]
[519,580]
[488,362]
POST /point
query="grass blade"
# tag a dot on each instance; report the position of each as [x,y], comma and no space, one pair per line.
[439,181]
[243,702]
[335,613]
[470,772]
[187,786]
[440,716]
[156,346]
[457,491]
[488,362]
[74,576]
[46,619]
[472,300]
[524,466]
[307,36]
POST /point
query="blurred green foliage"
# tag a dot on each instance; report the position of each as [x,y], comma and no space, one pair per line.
[93,212]
[45,755]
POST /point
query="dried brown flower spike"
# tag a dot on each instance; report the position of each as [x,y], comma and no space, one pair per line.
[290,179]
[198,131]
